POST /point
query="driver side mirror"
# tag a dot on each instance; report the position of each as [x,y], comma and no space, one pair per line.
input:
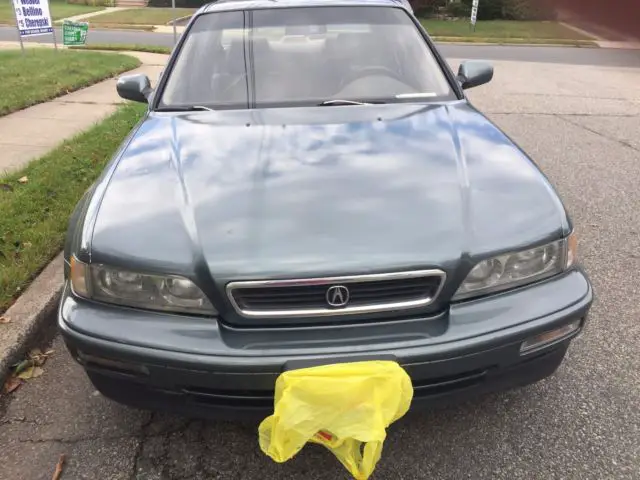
[473,73]
[136,88]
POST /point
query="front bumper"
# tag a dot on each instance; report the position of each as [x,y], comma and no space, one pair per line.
[202,367]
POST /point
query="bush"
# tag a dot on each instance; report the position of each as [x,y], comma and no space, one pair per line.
[458,10]
[426,8]
[526,10]
[510,10]
[179,3]
[487,10]
[94,3]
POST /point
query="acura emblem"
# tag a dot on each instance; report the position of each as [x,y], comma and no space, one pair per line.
[337,296]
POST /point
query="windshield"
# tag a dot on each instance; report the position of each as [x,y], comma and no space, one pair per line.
[304,56]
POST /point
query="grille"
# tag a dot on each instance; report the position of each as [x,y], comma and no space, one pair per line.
[314,297]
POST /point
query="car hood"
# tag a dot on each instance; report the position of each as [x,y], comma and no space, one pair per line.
[327,190]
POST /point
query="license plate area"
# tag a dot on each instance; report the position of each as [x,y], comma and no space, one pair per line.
[299,364]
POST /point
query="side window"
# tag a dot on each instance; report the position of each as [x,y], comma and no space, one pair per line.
[210,68]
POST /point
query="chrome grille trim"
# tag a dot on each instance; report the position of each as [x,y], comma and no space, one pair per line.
[339,280]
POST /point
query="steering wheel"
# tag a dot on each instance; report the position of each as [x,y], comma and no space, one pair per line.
[369,72]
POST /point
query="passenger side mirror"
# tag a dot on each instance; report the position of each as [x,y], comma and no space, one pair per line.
[473,73]
[136,88]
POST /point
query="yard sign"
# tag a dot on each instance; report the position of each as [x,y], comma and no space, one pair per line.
[33,17]
[474,12]
[74,33]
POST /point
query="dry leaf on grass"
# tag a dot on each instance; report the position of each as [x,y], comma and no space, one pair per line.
[11,384]
[23,180]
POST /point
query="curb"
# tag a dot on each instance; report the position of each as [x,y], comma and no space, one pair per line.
[506,44]
[179,19]
[124,27]
[31,312]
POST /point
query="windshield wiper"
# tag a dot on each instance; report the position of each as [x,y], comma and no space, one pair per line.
[337,102]
[187,108]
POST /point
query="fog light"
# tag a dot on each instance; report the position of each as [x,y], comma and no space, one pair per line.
[113,365]
[548,338]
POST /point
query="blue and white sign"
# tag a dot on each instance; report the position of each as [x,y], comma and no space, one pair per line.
[33,17]
[474,11]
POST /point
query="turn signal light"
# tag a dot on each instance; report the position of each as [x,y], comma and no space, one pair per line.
[549,338]
[112,365]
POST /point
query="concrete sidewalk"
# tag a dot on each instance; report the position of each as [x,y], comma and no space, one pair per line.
[604,37]
[77,18]
[30,133]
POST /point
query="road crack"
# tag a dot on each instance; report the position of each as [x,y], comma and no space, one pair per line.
[74,441]
[142,437]
[550,114]
[596,132]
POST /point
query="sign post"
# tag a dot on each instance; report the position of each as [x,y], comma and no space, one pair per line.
[16,15]
[474,13]
[175,34]
[32,19]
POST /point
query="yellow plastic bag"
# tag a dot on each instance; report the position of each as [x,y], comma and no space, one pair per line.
[344,407]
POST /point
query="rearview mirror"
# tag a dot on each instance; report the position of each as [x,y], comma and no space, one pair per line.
[136,88]
[473,73]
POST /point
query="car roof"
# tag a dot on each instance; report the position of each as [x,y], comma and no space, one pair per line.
[225,5]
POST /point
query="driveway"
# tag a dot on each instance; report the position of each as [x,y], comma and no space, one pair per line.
[581,124]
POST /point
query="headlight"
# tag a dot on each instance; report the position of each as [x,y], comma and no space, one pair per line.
[518,268]
[153,292]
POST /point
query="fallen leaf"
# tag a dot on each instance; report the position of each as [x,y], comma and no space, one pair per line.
[59,466]
[27,373]
[48,353]
[11,384]
[23,179]
[37,372]
[35,352]
[4,320]
[37,357]
[23,365]
[27,244]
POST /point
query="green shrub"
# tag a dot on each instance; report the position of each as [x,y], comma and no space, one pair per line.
[94,3]
[458,10]
[526,10]
[510,10]
[487,9]
[426,8]
[179,3]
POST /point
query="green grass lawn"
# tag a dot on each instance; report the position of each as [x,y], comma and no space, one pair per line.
[59,9]
[141,16]
[35,214]
[502,29]
[43,74]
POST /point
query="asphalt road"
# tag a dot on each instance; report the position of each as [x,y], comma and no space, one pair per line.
[564,55]
[581,125]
